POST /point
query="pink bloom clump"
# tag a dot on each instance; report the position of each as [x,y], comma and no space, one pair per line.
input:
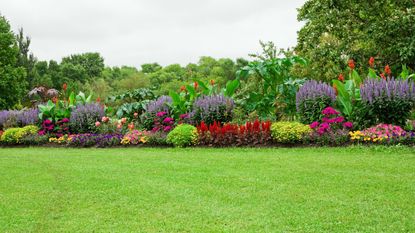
[384,131]
[331,121]
[160,114]
[329,111]
[314,125]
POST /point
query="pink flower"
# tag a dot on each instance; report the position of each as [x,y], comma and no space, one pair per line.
[119,126]
[160,114]
[123,120]
[168,120]
[339,119]
[135,114]
[105,119]
[348,125]
[97,124]
[167,128]
[314,124]
[329,111]
[184,116]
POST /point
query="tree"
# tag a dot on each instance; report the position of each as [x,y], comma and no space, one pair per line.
[26,58]
[92,63]
[12,76]
[150,68]
[338,30]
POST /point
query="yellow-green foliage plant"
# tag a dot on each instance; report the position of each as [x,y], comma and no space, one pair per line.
[289,131]
[183,135]
[14,135]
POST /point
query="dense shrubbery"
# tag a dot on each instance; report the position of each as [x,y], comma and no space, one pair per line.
[84,116]
[183,135]
[249,134]
[289,132]
[15,135]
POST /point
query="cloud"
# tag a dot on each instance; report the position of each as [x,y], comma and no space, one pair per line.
[132,32]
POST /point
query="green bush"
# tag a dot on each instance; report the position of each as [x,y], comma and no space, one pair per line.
[183,135]
[14,135]
[289,132]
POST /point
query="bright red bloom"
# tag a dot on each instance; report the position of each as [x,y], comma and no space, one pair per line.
[351,64]
[64,86]
[98,99]
[196,85]
[341,78]
[371,62]
[388,70]
[382,75]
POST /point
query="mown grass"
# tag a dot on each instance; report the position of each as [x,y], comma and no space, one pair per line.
[207,190]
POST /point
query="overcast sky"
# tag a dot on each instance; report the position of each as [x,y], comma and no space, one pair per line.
[132,32]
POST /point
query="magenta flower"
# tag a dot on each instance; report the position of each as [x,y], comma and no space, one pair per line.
[348,125]
[167,128]
[160,114]
[339,119]
[314,124]
[330,111]
[168,120]
[184,116]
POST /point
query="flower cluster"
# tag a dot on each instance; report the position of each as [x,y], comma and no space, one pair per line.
[163,122]
[59,129]
[373,90]
[135,137]
[380,133]
[18,118]
[98,140]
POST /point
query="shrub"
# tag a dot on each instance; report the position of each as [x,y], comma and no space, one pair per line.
[332,130]
[250,133]
[388,101]
[162,104]
[289,132]
[14,135]
[209,109]
[183,135]
[14,118]
[34,139]
[157,139]
[312,98]
[83,118]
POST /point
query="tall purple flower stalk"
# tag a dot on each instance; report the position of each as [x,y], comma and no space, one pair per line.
[387,90]
[83,117]
[313,90]
[159,105]
[18,118]
[212,108]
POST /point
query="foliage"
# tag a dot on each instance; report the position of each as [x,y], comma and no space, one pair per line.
[388,101]
[34,140]
[255,133]
[209,109]
[312,98]
[272,76]
[14,135]
[335,31]
[12,76]
[183,135]
[157,139]
[162,104]
[134,102]
[289,132]
[84,116]
[58,128]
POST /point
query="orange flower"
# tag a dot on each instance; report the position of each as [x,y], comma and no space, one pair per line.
[371,62]
[64,86]
[388,70]
[98,99]
[195,84]
[351,64]
[182,88]
[341,78]
[382,75]
[212,82]
[123,120]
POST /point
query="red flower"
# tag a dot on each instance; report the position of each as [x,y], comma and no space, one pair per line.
[335,89]
[371,62]
[341,78]
[388,70]
[64,86]
[182,88]
[55,99]
[195,84]
[212,82]
[131,126]
[351,64]
[98,99]
[382,75]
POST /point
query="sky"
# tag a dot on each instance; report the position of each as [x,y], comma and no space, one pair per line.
[133,32]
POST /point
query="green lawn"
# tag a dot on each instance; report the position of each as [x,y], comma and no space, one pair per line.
[207,190]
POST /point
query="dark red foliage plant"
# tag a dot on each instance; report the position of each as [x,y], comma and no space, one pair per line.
[255,133]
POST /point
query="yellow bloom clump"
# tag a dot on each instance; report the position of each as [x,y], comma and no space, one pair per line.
[60,140]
